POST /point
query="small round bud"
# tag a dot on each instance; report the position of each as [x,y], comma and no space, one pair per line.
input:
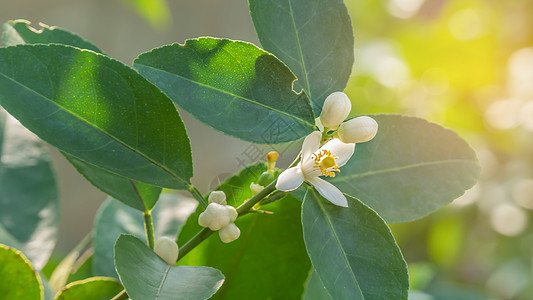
[272,156]
[215,216]
[336,108]
[232,213]
[256,188]
[265,179]
[229,233]
[358,130]
[167,249]
[217,197]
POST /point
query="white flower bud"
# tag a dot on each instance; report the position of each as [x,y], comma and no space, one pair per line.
[229,233]
[232,213]
[256,188]
[215,216]
[167,249]
[217,197]
[358,130]
[336,108]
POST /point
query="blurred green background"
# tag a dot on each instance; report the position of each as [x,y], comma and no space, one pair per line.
[464,64]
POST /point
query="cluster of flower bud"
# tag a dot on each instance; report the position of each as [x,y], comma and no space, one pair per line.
[337,107]
[218,216]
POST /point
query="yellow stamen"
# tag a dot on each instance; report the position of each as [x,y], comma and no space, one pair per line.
[325,160]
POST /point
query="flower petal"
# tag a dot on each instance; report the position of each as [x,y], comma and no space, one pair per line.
[329,191]
[290,179]
[311,144]
[343,151]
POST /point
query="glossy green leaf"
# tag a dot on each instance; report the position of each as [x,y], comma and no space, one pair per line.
[146,276]
[114,218]
[18,279]
[138,195]
[314,288]
[232,86]
[29,201]
[17,32]
[98,110]
[353,250]
[271,244]
[410,169]
[94,288]
[315,39]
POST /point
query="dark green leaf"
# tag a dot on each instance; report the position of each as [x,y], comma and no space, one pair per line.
[98,110]
[314,38]
[410,169]
[146,276]
[29,202]
[314,288]
[18,279]
[353,250]
[232,86]
[269,244]
[17,32]
[94,288]
[138,195]
[114,218]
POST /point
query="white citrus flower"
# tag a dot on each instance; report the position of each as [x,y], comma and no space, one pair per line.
[167,249]
[229,233]
[358,130]
[318,161]
[217,216]
[336,108]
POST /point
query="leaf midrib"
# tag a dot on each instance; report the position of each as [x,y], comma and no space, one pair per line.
[406,167]
[230,94]
[162,282]
[97,128]
[308,89]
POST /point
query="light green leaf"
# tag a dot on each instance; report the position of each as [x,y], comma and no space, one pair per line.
[94,288]
[98,110]
[114,218]
[410,169]
[314,38]
[155,12]
[353,250]
[17,32]
[29,201]
[146,276]
[314,288]
[271,244]
[19,280]
[138,195]
[231,86]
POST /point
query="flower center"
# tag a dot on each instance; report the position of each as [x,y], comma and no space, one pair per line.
[326,162]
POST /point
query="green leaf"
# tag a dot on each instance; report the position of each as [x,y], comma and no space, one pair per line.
[146,276]
[19,280]
[17,32]
[314,38]
[231,86]
[98,110]
[270,244]
[155,12]
[138,195]
[94,288]
[29,201]
[353,250]
[314,288]
[114,218]
[410,169]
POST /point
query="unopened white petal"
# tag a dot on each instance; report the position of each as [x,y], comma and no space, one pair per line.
[217,197]
[229,233]
[358,130]
[342,150]
[337,107]
[167,249]
[311,144]
[290,179]
[329,191]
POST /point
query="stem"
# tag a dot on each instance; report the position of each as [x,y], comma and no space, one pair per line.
[195,241]
[120,295]
[197,195]
[149,228]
